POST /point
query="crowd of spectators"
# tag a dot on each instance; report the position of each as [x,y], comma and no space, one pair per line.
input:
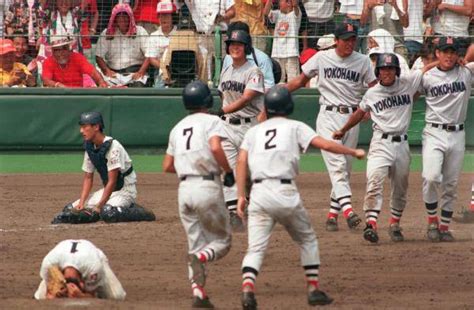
[85,43]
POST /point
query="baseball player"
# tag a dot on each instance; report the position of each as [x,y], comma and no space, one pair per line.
[466,215]
[195,154]
[86,271]
[271,151]
[241,88]
[342,74]
[390,104]
[447,89]
[116,201]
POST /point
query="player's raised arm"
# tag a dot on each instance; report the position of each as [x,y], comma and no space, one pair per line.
[333,147]
[297,82]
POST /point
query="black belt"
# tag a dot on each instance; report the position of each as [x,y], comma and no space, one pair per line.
[395,138]
[341,109]
[209,177]
[237,121]
[448,127]
[283,181]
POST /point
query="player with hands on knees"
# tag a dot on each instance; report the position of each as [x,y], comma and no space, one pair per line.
[390,104]
[271,152]
[195,154]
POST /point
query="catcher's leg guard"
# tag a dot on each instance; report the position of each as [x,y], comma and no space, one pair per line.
[64,217]
[138,213]
[111,214]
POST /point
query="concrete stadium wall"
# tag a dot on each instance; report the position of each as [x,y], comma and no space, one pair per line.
[47,118]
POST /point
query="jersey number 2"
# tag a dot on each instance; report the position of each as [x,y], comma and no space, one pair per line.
[188,132]
[270,133]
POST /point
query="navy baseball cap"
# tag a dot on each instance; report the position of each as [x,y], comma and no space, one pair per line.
[447,43]
[345,31]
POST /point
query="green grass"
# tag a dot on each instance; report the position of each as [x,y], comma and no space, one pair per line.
[70,163]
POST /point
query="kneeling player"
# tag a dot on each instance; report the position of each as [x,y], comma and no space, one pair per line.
[390,104]
[195,154]
[78,269]
[271,151]
[116,201]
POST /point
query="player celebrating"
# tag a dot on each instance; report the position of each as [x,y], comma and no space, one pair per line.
[342,73]
[116,201]
[84,272]
[196,155]
[271,151]
[390,104]
[241,87]
[447,89]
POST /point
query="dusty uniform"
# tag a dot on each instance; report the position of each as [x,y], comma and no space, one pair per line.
[116,157]
[341,84]
[447,96]
[273,158]
[200,198]
[389,154]
[233,83]
[92,264]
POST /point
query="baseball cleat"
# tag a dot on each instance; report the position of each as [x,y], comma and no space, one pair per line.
[446,236]
[318,297]
[465,216]
[370,234]
[331,224]
[202,303]
[248,301]
[353,221]
[198,271]
[395,232]
[433,232]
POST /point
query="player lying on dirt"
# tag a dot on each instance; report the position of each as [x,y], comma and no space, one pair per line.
[116,201]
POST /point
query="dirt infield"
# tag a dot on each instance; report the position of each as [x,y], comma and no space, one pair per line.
[149,258]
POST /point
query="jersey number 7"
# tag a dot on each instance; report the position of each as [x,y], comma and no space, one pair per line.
[189,133]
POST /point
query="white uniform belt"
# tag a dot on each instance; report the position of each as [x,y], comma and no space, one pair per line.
[341,109]
[236,120]
[448,127]
[394,138]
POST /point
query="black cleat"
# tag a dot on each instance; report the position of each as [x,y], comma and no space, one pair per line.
[319,298]
[248,301]
[370,234]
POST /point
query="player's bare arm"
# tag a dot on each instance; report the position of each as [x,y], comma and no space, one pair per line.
[297,82]
[355,119]
[108,189]
[239,104]
[469,54]
[168,164]
[218,152]
[73,291]
[333,147]
[86,189]
[241,170]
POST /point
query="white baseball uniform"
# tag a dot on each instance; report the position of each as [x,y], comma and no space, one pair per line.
[341,84]
[91,263]
[447,96]
[274,148]
[200,197]
[233,82]
[389,154]
[117,157]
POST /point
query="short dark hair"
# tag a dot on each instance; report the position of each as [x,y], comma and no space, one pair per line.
[237,26]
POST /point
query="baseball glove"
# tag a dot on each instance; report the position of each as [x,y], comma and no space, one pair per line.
[56,284]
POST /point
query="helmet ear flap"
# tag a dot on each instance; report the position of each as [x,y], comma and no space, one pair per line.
[398,72]
[227,45]
[248,49]
[377,72]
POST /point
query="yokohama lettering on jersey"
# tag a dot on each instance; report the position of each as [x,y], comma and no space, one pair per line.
[342,81]
[447,94]
[391,106]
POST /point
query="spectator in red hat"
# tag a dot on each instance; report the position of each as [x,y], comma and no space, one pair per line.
[67,68]
[144,12]
[160,39]
[13,73]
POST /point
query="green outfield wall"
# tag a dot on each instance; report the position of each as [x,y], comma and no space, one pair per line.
[47,118]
